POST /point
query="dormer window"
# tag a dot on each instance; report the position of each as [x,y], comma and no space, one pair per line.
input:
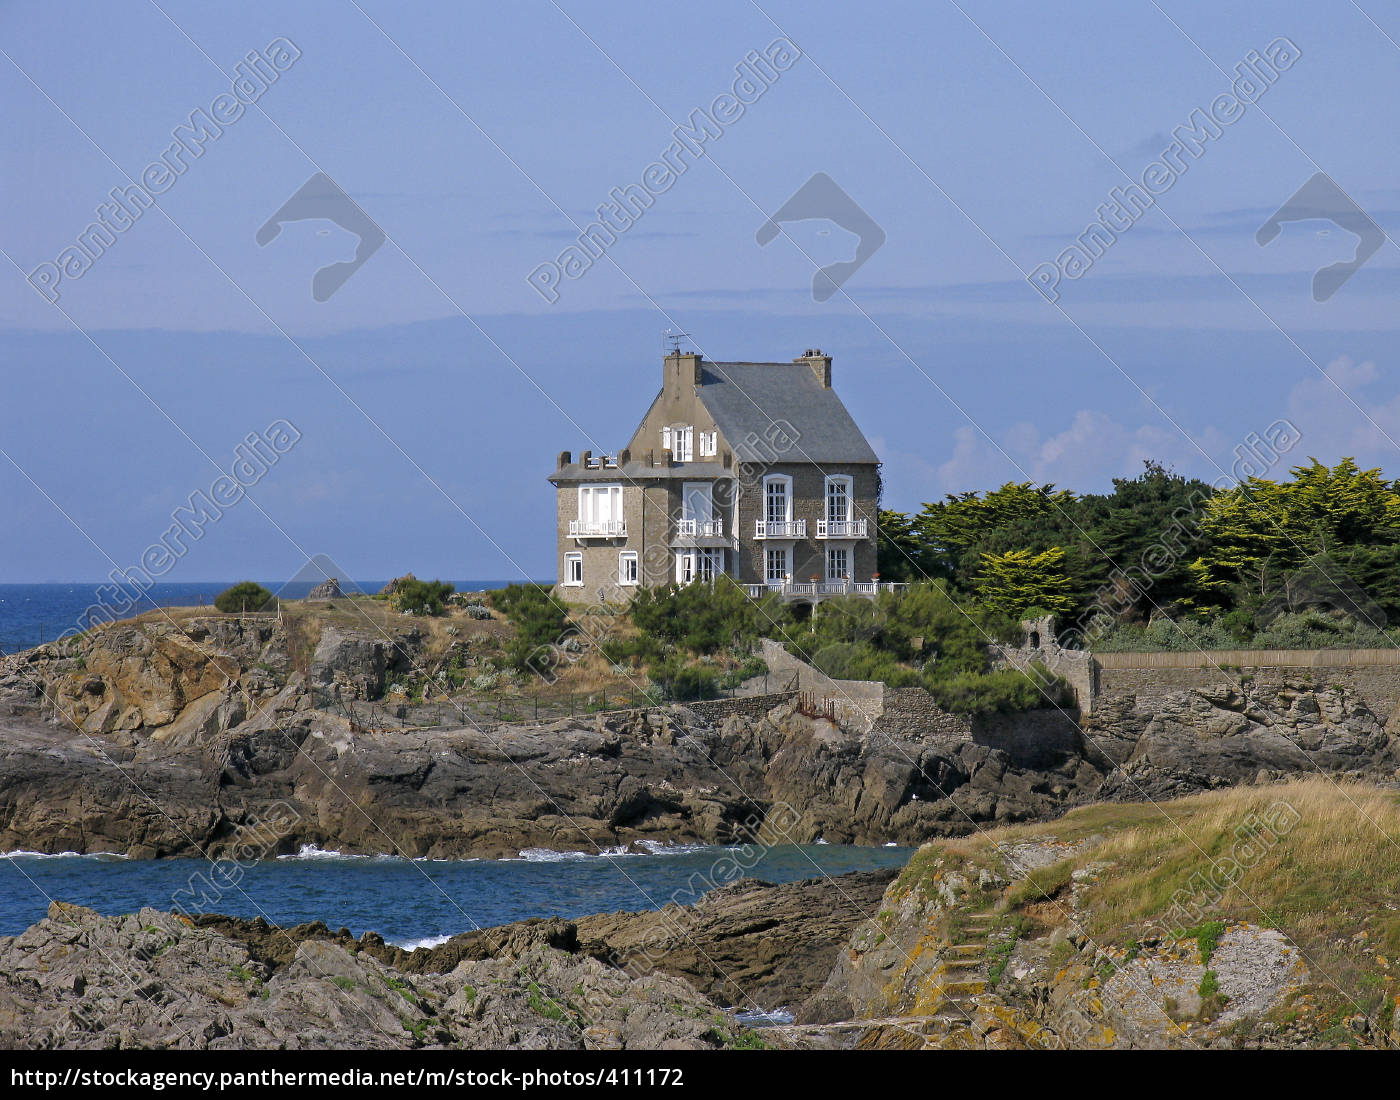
[679,439]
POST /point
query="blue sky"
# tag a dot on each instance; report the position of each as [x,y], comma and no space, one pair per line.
[434,389]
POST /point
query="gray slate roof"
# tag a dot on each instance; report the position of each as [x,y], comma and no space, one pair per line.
[784,408]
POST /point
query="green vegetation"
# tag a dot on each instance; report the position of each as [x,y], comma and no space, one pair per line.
[545,1006]
[245,596]
[344,983]
[922,638]
[539,619]
[1168,562]
[421,597]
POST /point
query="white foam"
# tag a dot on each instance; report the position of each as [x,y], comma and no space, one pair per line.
[21,853]
[424,944]
[760,1018]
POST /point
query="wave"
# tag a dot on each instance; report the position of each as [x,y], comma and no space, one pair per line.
[424,943]
[105,857]
[637,848]
[760,1018]
[312,852]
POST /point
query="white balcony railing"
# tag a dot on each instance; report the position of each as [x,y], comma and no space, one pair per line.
[780,529]
[807,589]
[700,528]
[841,529]
[597,529]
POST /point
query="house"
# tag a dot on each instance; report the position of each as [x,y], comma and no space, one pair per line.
[754,470]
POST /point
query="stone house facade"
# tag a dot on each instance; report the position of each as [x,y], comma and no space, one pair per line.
[752,470]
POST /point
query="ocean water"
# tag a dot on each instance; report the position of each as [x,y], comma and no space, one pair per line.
[34,613]
[413,903]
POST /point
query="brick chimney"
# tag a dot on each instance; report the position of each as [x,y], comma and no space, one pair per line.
[820,364]
[682,370]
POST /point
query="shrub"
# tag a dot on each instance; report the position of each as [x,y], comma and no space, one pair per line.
[539,619]
[244,596]
[421,597]
[679,680]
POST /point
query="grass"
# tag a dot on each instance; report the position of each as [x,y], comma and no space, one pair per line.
[1312,858]
[545,1006]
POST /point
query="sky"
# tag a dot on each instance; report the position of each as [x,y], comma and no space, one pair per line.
[430,392]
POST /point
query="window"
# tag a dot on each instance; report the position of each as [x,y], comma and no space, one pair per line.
[838,564]
[600,510]
[709,444]
[777,498]
[627,567]
[838,500]
[698,502]
[679,440]
[698,565]
[775,565]
[573,568]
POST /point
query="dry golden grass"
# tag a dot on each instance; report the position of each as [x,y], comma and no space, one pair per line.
[1316,858]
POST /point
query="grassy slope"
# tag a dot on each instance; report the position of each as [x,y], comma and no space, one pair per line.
[1330,882]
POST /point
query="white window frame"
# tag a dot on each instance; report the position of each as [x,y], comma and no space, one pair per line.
[587,502]
[572,558]
[783,554]
[709,444]
[831,554]
[698,563]
[785,481]
[627,558]
[679,439]
[844,482]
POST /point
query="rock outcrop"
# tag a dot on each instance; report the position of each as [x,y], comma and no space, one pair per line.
[747,944]
[77,980]
[151,740]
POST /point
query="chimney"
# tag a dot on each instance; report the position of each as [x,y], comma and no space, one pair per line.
[682,370]
[820,364]
[564,459]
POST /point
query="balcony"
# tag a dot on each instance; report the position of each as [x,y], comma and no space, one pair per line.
[784,529]
[700,528]
[816,591]
[841,529]
[597,529]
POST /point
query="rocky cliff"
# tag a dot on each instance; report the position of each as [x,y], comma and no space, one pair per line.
[1255,917]
[77,980]
[153,739]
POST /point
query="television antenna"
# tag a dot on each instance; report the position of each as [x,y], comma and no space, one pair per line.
[674,338]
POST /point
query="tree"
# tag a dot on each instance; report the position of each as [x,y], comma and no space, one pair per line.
[959,531]
[244,596]
[1020,581]
[902,555]
[1262,531]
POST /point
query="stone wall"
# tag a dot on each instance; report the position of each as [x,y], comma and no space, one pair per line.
[716,711]
[857,703]
[1378,686]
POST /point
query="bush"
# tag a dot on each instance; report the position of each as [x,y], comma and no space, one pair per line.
[679,680]
[421,597]
[245,596]
[1002,692]
[539,619]
[705,618]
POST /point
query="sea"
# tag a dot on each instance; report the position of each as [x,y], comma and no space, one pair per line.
[31,614]
[412,903]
